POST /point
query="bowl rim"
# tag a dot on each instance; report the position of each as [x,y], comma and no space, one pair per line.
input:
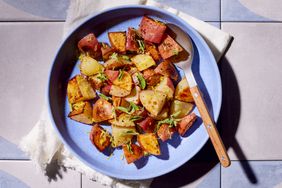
[217,78]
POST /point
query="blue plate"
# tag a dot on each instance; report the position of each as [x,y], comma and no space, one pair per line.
[76,135]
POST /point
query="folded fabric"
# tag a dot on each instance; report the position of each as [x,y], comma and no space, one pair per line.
[42,144]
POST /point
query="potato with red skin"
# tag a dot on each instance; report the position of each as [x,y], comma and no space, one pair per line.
[111,75]
[166,68]
[134,154]
[148,124]
[184,125]
[166,86]
[102,110]
[152,78]
[107,51]
[89,44]
[169,47]
[165,132]
[152,30]
[106,89]
[99,137]
[149,143]
[131,43]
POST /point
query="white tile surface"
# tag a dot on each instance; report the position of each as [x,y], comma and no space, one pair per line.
[27,51]
[255,57]
[15,173]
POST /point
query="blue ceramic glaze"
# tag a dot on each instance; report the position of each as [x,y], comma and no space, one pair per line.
[75,135]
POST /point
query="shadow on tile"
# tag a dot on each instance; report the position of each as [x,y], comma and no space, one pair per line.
[230,116]
[54,171]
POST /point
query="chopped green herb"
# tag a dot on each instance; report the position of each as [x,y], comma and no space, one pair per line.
[125,57]
[142,81]
[129,132]
[133,107]
[175,52]
[146,153]
[101,95]
[172,121]
[102,76]
[135,118]
[114,113]
[123,109]
[114,56]
[120,75]
[129,148]
[141,46]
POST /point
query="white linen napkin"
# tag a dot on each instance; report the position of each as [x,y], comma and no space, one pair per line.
[42,144]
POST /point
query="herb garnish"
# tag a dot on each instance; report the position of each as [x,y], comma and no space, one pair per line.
[142,81]
[141,46]
[172,121]
[114,56]
[102,76]
[104,97]
[120,74]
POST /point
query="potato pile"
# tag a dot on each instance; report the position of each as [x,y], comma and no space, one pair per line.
[133,90]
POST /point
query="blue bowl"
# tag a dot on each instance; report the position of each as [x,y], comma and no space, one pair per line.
[76,135]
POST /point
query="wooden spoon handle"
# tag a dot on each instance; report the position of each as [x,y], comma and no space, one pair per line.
[210,126]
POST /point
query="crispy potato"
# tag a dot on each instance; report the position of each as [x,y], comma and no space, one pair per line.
[152,30]
[184,125]
[111,75]
[95,82]
[166,68]
[121,135]
[116,63]
[153,101]
[81,112]
[169,47]
[123,121]
[106,89]
[131,43]
[89,66]
[89,44]
[163,114]
[107,51]
[118,41]
[182,107]
[125,82]
[165,132]
[148,125]
[79,89]
[132,152]
[143,61]
[166,86]
[182,91]
[152,78]
[149,143]
[134,96]
[118,91]
[102,110]
[153,51]
[99,137]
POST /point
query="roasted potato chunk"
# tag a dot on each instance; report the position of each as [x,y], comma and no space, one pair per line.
[123,121]
[148,125]
[107,51]
[167,69]
[100,138]
[102,110]
[143,61]
[79,89]
[182,108]
[132,152]
[122,135]
[184,125]
[89,66]
[165,132]
[162,115]
[152,78]
[89,44]
[131,43]
[169,47]
[153,51]
[149,143]
[182,91]
[134,96]
[118,91]
[166,86]
[153,101]
[81,112]
[118,41]
[152,30]
[124,81]
[95,82]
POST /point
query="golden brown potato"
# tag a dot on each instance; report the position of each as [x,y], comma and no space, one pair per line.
[165,132]
[118,41]
[102,110]
[81,112]
[118,91]
[163,114]
[79,89]
[100,137]
[181,108]
[153,51]
[143,61]
[184,125]
[149,143]
[122,135]
[134,96]
[89,66]
[123,121]
[152,78]
[166,86]
[166,68]
[182,91]
[106,51]
[124,82]
[95,82]
[153,101]
[132,152]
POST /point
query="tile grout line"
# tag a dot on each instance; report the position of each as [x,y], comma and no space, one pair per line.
[80,180]
[32,21]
